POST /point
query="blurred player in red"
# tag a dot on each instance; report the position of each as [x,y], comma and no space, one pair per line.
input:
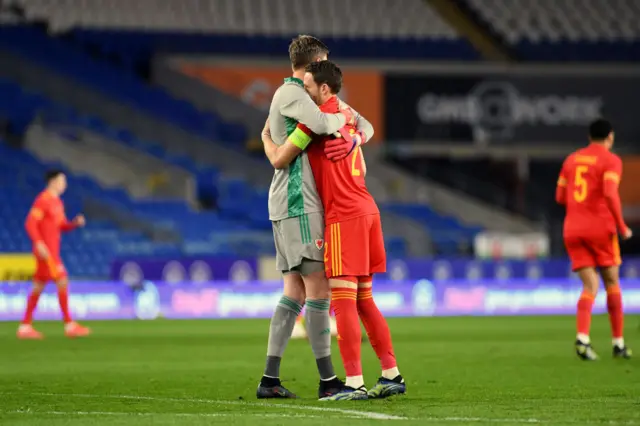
[354,244]
[588,187]
[45,223]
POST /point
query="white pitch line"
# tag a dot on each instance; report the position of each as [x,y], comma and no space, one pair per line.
[134,414]
[356,414]
[261,415]
[480,419]
[350,413]
[299,416]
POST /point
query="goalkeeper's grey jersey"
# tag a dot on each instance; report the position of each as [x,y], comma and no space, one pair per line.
[293,190]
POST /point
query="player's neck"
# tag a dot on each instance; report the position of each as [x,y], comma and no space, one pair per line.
[602,145]
[329,99]
[53,192]
[299,74]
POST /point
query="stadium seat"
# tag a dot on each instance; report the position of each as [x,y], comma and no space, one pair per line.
[569,30]
[131,32]
[449,235]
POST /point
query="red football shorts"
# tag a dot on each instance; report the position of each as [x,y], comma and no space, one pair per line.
[51,269]
[593,251]
[355,247]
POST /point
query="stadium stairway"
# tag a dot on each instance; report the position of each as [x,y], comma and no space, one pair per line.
[60,72]
[480,35]
[111,164]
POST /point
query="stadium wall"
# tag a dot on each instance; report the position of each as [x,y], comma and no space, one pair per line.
[447,107]
[257,299]
[244,270]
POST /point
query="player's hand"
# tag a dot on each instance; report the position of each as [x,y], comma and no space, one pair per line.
[79,221]
[266,130]
[339,148]
[42,251]
[628,233]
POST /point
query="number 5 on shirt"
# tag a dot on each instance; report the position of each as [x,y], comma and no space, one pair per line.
[580,191]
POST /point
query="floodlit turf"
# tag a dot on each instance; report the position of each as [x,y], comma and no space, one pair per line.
[459,370]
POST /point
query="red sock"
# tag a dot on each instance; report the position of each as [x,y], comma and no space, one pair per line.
[614,306]
[377,328]
[349,333]
[585,305]
[63,300]
[32,303]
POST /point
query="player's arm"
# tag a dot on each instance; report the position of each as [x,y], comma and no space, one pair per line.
[69,225]
[281,156]
[612,175]
[32,225]
[297,104]
[561,187]
[337,150]
[364,127]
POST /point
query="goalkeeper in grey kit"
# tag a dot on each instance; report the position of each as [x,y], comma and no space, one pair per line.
[296,212]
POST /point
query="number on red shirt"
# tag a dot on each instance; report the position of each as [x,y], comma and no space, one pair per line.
[580,183]
[355,171]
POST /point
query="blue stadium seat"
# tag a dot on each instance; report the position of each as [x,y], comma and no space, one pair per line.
[447,233]
[551,30]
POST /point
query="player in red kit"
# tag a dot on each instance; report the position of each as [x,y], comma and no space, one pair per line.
[354,244]
[45,223]
[588,187]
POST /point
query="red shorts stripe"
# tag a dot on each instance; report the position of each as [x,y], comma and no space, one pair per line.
[355,247]
[593,252]
[51,269]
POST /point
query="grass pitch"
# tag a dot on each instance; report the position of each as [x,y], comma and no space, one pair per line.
[458,370]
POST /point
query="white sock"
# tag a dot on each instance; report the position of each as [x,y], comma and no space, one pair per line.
[584,338]
[618,341]
[24,327]
[391,373]
[355,382]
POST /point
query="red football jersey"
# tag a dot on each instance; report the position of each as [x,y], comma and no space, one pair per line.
[586,175]
[47,220]
[341,185]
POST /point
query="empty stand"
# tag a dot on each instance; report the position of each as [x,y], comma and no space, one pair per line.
[566,30]
[238,224]
[337,18]
[131,31]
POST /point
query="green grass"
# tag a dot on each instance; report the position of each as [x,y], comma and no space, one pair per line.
[458,370]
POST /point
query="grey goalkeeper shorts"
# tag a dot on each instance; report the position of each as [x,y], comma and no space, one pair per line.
[300,243]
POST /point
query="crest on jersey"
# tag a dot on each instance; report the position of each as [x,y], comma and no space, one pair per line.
[319,243]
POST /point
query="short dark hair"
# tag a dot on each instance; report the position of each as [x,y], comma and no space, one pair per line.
[326,72]
[52,174]
[600,129]
[306,49]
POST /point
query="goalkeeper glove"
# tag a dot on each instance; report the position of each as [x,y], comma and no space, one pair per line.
[343,145]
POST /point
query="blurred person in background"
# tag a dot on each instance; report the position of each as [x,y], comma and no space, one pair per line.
[588,188]
[45,223]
